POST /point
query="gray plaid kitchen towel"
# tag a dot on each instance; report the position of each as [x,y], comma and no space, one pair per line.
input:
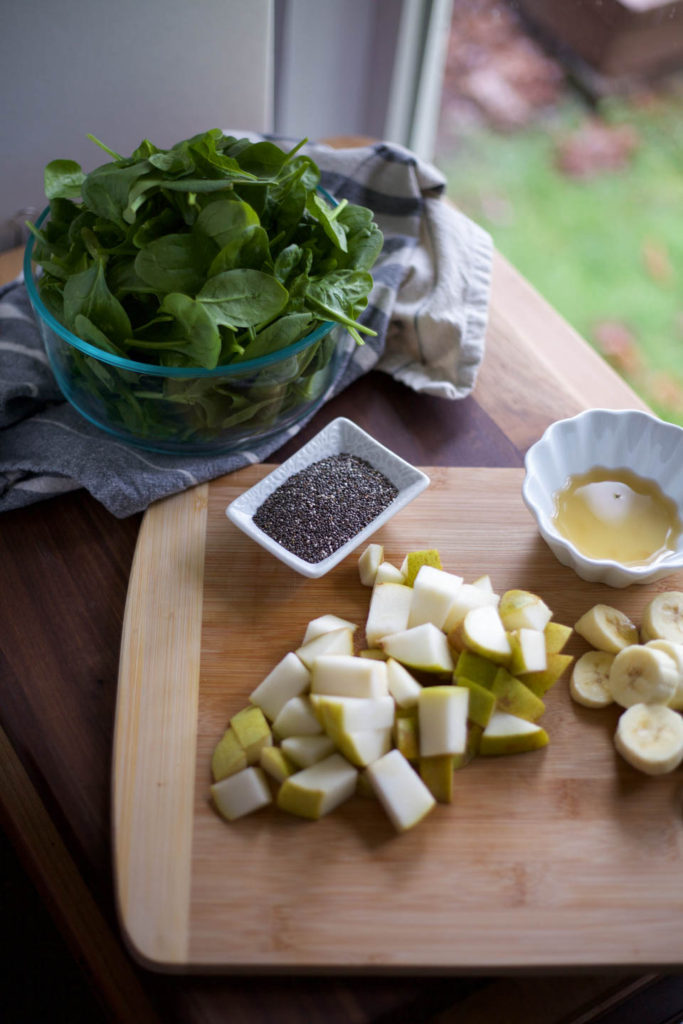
[429,306]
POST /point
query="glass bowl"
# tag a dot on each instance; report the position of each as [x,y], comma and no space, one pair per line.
[188,410]
[614,439]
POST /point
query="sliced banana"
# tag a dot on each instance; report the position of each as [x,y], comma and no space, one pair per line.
[642,675]
[650,737]
[607,629]
[663,617]
[588,684]
[674,651]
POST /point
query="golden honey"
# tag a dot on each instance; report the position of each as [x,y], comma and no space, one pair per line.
[616,514]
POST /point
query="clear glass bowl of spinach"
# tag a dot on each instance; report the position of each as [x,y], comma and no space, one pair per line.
[200,298]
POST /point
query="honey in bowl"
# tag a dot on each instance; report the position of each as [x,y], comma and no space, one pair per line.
[616,514]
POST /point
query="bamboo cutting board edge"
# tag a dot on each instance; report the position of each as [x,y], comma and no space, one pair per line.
[152,783]
[146,917]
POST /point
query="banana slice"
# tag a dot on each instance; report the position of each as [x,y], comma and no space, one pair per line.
[674,651]
[607,628]
[650,737]
[663,617]
[642,675]
[588,684]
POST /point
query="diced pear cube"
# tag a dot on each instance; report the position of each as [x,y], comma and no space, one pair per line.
[520,609]
[442,716]
[540,682]
[400,790]
[528,651]
[307,750]
[363,746]
[433,594]
[423,647]
[317,790]
[515,698]
[353,713]
[556,637]
[369,562]
[508,734]
[388,612]
[437,773]
[277,764]
[474,733]
[481,703]
[326,624]
[388,573]
[252,731]
[406,735]
[349,677]
[337,642]
[241,794]
[472,666]
[288,679]
[466,599]
[483,632]
[414,561]
[297,718]
[403,687]
[228,756]
[484,583]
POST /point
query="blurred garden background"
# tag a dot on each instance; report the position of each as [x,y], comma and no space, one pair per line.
[579,180]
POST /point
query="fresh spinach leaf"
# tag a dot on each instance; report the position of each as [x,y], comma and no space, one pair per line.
[243,297]
[287,261]
[193,330]
[263,159]
[248,249]
[105,190]
[327,217]
[224,220]
[63,179]
[166,222]
[282,332]
[175,263]
[364,238]
[341,296]
[87,293]
[87,330]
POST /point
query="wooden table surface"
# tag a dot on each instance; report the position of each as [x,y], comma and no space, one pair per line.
[66,564]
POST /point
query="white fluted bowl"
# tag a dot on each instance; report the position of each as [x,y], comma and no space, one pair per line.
[614,439]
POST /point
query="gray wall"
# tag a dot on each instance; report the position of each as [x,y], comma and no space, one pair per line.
[123,70]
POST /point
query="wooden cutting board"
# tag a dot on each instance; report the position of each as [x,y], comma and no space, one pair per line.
[564,857]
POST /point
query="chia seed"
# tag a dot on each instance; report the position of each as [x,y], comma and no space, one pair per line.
[324,505]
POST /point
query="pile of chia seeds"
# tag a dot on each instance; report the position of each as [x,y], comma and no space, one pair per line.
[323,506]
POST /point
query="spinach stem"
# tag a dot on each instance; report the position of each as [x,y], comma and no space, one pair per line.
[111,152]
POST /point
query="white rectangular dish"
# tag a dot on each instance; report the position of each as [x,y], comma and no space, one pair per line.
[341,436]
